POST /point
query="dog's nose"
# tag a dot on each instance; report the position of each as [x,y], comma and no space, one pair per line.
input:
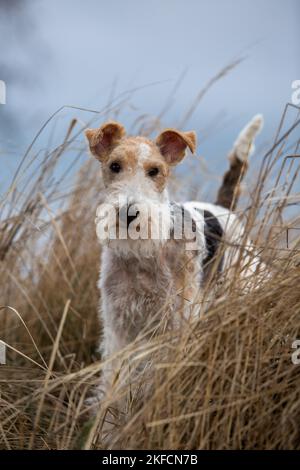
[128,214]
[132,214]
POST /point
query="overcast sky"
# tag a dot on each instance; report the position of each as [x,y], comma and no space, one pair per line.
[61,52]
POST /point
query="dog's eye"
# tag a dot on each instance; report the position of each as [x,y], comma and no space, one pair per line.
[153,172]
[115,167]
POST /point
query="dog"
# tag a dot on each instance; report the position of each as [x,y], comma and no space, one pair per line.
[157,254]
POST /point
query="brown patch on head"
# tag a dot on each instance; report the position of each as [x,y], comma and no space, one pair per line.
[173,144]
[136,154]
[157,171]
[103,140]
[122,157]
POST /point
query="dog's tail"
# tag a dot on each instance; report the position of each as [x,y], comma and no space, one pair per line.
[243,147]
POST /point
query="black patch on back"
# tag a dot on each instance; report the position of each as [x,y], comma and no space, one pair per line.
[213,233]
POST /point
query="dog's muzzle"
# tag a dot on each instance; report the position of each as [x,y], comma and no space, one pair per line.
[127,214]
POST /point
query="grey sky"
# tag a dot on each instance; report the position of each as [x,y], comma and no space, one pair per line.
[71,51]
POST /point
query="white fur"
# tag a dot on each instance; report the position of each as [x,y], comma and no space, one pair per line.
[139,191]
[144,152]
[236,240]
[243,146]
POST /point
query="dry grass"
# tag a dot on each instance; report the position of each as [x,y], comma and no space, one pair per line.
[226,382]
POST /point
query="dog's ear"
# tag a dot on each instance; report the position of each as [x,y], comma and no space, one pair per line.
[173,144]
[104,139]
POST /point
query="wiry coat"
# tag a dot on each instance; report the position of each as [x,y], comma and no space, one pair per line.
[143,281]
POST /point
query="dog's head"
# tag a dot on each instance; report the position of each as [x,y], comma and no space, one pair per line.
[135,173]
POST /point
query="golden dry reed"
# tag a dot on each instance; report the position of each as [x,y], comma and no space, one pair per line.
[226,381]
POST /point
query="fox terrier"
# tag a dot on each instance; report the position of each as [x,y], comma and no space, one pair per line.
[157,253]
